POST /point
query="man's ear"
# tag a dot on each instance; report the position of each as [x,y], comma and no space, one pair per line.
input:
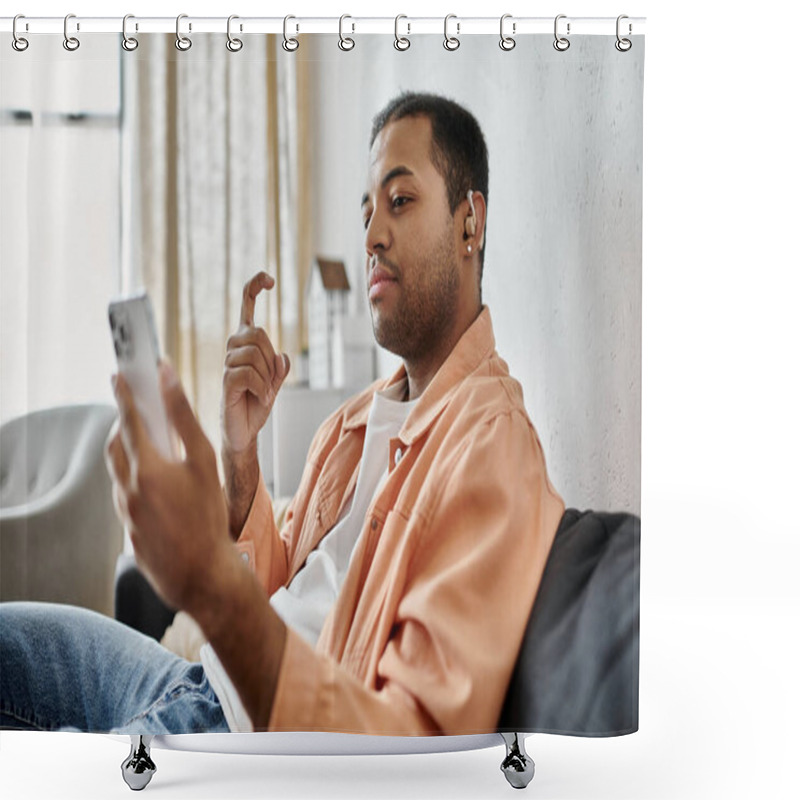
[475,220]
[470,223]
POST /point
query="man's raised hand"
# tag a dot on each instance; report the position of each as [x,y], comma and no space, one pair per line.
[253,374]
[252,377]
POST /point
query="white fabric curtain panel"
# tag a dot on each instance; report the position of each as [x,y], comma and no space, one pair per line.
[185,172]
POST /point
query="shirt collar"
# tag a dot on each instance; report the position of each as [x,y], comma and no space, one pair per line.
[475,346]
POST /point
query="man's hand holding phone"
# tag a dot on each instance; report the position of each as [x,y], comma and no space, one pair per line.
[253,375]
[174,509]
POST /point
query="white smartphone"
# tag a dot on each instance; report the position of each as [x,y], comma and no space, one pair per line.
[136,346]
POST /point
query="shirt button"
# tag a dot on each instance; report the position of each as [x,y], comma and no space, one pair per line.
[398,454]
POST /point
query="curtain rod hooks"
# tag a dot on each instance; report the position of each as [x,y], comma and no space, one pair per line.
[182,42]
[290,44]
[507,42]
[346,43]
[129,43]
[233,44]
[451,42]
[19,43]
[71,43]
[401,42]
[623,45]
[561,43]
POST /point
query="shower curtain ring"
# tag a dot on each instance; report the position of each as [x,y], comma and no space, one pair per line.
[345,42]
[71,43]
[401,42]
[623,45]
[233,44]
[129,43]
[451,42]
[561,43]
[19,43]
[290,44]
[182,42]
[507,42]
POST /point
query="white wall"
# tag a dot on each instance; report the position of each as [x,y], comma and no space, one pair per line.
[563,261]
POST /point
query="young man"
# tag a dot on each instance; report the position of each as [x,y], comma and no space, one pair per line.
[395,597]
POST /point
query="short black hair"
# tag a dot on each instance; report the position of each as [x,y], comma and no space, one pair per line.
[458,149]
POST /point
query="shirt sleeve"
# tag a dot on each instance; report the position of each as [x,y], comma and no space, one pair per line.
[485,523]
[261,543]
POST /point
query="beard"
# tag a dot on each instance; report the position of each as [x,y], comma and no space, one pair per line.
[426,307]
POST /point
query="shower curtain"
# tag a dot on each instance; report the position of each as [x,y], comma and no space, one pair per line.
[185,171]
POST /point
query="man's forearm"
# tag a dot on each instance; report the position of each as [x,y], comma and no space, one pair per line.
[241,481]
[245,632]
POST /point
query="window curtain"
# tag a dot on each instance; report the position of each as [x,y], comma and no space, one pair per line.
[215,153]
[59,224]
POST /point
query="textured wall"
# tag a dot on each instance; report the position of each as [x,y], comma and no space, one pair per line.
[563,261]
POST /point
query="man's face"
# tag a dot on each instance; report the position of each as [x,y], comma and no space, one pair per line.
[413,280]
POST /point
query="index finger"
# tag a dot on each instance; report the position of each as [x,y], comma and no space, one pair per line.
[251,291]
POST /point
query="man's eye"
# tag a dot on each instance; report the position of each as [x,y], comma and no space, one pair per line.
[398,202]
[366,222]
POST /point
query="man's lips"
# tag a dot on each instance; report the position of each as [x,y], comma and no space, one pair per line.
[379,279]
[378,275]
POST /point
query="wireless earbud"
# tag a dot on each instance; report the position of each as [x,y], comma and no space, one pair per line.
[470,224]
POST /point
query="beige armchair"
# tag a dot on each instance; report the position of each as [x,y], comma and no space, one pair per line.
[59,535]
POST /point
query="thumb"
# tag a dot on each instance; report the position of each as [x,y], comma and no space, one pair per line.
[179,412]
[282,366]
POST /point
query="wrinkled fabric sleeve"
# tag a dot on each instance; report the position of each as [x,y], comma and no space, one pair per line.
[483,534]
[262,544]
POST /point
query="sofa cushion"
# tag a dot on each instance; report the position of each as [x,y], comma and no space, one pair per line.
[578,668]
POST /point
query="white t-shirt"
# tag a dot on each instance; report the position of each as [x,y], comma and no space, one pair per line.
[305,603]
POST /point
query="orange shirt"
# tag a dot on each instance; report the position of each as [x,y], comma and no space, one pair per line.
[426,630]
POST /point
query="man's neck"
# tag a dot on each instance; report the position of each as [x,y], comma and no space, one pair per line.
[422,371]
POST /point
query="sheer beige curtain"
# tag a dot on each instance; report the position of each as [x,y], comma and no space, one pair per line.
[216,162]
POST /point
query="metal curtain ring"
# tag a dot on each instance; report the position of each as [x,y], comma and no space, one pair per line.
[182,42]
[507,42]
[128,42]
[451,42]
[71,43]
[400,42]
[623,45]
[290,44]
[19,43]
[345,42]
[233,44]
[561,43]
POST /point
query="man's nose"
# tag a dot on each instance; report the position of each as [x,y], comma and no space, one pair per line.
[378,235]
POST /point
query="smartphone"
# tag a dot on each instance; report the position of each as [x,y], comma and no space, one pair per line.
[135,339]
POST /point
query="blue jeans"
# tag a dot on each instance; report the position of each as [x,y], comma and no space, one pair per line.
[64,667]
